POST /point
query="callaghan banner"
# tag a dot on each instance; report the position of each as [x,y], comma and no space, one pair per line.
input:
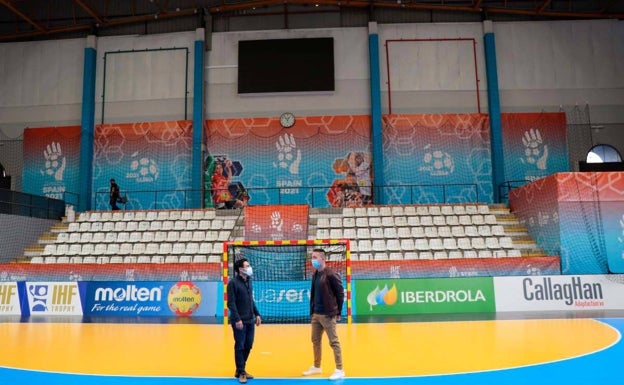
[562,292]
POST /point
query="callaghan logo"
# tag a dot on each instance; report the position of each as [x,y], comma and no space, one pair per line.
[574,292]
[382,297]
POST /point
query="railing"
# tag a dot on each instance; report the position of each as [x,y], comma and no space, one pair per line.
[317,197]
[18,203]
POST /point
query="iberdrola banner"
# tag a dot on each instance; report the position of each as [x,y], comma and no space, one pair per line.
[51,161]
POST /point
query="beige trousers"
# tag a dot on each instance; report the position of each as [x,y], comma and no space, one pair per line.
[322,323]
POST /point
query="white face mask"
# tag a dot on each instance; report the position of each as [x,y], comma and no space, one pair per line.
[248,271]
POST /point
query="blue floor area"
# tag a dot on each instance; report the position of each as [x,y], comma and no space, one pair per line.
[602,367]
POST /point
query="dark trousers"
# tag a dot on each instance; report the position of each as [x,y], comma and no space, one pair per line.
[113,203]
[243,342]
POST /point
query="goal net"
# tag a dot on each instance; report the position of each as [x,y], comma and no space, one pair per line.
[282,275]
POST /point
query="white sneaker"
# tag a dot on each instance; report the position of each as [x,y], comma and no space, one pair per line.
[338,373]
[313,370]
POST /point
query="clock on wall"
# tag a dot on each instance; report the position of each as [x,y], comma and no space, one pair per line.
[287,119]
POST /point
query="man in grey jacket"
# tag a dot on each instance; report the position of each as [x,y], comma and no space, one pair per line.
[243,315]
[326,299]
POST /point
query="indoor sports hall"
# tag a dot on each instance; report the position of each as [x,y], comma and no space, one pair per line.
[457,161]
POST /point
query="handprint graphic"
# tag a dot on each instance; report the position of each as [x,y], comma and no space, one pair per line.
[535,151]
[276,221]
[54,161]
[286,158]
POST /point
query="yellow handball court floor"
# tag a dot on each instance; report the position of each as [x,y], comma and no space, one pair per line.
[515,351]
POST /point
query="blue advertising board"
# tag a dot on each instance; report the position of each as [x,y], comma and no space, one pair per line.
[182,298]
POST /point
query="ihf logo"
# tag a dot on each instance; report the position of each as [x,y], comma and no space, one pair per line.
[54,298]
[39,297]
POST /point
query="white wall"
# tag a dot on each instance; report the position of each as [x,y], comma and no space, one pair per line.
[352,94]
[144,86]
[432,76]
[541,65]
[41,84]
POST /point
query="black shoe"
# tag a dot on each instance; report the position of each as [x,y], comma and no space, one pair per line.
[242,378]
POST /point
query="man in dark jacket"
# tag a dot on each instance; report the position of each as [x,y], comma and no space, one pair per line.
[326,299]
[243,315]
[113,195]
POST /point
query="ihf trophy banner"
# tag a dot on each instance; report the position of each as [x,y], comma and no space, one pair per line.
[259,162]
[151,162]
[534,144]
[51,161]
[434,158]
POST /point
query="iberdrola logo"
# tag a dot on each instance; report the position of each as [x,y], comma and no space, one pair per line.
[383,296]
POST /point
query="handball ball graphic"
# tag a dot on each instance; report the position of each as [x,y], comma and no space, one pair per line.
[439,160]
[184,298]
[145,167]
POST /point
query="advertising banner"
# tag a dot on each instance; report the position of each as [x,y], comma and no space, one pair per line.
[562,292]
[111,272]
[51,298]
[282,299]
[424,296]
[182,298]
[9,299]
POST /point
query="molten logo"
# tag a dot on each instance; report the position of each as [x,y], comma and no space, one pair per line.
[184,298]
[383,296]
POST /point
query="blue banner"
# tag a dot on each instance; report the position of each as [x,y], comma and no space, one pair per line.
[182,298]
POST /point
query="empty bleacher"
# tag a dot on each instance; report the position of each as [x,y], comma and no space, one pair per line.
[414,232]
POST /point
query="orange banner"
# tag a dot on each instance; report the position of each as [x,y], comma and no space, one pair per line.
[283,222]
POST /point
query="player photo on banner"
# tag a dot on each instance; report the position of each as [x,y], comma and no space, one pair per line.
[303,163]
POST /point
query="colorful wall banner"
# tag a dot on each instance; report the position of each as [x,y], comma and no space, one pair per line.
[424,296]
[150,162]
[535,145]
[51,161]
[578,216]
[436,158]
[284,222]
[309,163]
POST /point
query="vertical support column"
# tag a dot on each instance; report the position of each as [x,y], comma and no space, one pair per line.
[87,124]
[198,119]
[376,126]
[496,135]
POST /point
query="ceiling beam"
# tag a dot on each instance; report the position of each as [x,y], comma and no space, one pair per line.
[106,23]
[545,4]
[21,14]
[90,11]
